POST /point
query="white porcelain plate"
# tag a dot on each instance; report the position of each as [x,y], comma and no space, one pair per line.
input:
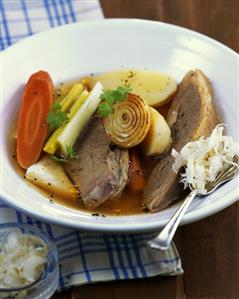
[71,51]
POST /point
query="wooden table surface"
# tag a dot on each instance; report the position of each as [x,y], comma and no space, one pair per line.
[209,248]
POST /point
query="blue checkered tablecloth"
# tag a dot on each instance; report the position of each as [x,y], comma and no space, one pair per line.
[20,18]
[84,257]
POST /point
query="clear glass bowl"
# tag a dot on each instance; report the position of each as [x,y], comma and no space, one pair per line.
[46,285]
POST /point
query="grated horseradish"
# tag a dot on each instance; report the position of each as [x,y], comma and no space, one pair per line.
[203,159]
[22,259]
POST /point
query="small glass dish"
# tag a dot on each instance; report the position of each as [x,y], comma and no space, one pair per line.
[45,286]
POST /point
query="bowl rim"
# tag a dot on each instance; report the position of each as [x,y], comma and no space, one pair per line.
[192,216]
[94,23]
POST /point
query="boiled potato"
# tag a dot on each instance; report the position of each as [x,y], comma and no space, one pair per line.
[155,88]
[158,138]
[50,175]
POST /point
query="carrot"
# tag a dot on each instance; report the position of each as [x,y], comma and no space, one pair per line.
[32,127]
[136,176]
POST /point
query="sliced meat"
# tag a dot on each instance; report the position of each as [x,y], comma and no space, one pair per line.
[100,172]
[191,116]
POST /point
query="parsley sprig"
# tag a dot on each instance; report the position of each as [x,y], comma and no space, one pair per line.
[56,117]
[70,154]
[110,97]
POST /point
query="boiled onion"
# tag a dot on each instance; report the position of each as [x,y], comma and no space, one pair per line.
[128,125]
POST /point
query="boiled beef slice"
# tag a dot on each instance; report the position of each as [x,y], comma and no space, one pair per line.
[191,116]
[99,168]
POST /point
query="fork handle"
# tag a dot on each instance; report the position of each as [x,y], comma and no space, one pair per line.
[164,238]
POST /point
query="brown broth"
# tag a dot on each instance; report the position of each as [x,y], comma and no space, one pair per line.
[126,204]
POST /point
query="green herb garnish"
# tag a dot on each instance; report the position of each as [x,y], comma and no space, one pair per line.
[110,97]
[70,155]
[56,106]
[56,117]
[59,159]
[70,152]
[105,109]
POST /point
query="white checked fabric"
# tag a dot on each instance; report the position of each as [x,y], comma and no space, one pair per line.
[20,18]
[84,257]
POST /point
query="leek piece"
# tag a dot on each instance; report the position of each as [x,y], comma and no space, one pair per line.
[78,122]
[78,103]
[71,97]
[51,144]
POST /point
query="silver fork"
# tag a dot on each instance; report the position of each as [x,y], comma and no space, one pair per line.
[164,238]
